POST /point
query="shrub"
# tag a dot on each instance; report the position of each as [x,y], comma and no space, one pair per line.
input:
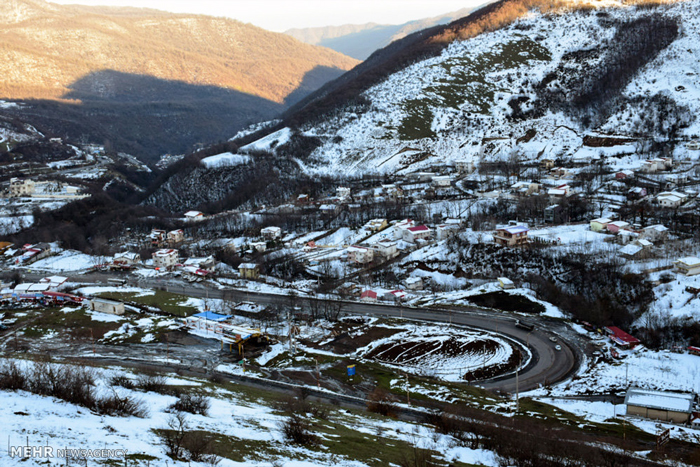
[196,403]
[122,381]
[296,430]
[152,383]
[121,406]
[382,402]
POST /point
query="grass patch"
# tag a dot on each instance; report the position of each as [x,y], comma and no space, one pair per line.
[167,302]
[467,83]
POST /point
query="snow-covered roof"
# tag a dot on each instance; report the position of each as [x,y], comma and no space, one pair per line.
[602,220]
[169,252]
[515,229]
[657,227]
[247,266]
[660,400]
[193,214]
[689,261]
[619,224]
[630,249]
[128,255]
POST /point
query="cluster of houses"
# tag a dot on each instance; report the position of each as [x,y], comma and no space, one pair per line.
[52,189]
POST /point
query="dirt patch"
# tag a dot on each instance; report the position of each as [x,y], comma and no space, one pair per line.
[412,352]
[349,341]
[603,142]
[507,302]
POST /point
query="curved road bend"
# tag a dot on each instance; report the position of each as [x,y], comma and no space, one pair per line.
[548,365]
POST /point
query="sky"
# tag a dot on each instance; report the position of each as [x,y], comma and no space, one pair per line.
[280,15]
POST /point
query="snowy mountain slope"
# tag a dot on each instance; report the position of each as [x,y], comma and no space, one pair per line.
[480,98]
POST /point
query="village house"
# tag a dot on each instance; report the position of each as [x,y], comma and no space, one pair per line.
[330,210]
[654,233]
[506,283]
[194,215]
[671,199]
[638,249]
[258,246]
[616,226]
[392,192]
[559,193]
[637,192]
[690,265]
[33,253]
[559,172]
[165,259]
[175,237]
[375,225]
[54,281]
[126,260]
[395,296]
[19,188]
[414,283]
[465,167]
[422,176]
[547,164]
[600,224]
[525,188]
[157,237]
[554,214]
[660,405]
[343,194]
[303,199]
[441,181]
[693,145]
[445,231]
[271,233]
[385,248]
[400,226]
[368,296]
[676,179]
[360,255]
[417,233]
[248,271]
[623,174]
[512,235]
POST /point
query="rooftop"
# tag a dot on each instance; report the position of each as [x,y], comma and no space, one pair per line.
[660,400]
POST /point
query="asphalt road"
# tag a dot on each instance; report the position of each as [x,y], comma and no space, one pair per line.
[547,365]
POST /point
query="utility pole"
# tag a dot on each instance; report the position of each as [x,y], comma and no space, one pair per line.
[408,391]
[318,375]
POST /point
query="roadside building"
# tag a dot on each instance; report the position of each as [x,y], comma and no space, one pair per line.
[165,259]
[660,405]
[248,271]
[621,338]
[107,306]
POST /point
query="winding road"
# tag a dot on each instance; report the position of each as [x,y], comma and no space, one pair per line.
[547,365]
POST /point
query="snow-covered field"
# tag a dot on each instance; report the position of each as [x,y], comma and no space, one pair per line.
[44,421]
[67,260]
[225,159]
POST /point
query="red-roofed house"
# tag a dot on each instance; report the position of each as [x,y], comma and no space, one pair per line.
[419,232]
[369,295]
[621,338]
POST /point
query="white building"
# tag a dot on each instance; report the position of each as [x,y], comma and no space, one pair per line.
[386,249]
[21,187]
[343,193]
[400,226]
[413,234]
[360,255]
[442,181]
[690,265]
[176,236]
[271,233]
[165,259]
[414,283]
